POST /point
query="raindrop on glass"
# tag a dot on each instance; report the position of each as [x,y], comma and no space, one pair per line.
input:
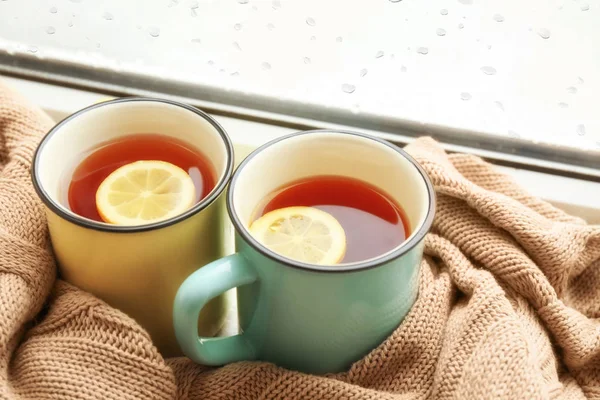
[461,25]
[465,96]
[580,80]
[270,26]
[498,18]
[444,11]
[489,46]
[243,1]
[440,32]
[107,16]
[53,10]
[581,129]
[70,24]
[235,73]
[237,27]
[306,60]
[499,105]
[348,88]
[395,1]
[276,4]
[422,50]
[98,45]
[544,33]
[193,6]
[466,2]
[237,46]
[313,37]
[585,7]
[403,69]
[254,8]
[572,89]
[488,70]
[339,39]
[563,105]
[363,72]
[211,62]
[32,49]
[50,30]
[379,54]
[154,31]
[310,21]
[266,66]
[197,40]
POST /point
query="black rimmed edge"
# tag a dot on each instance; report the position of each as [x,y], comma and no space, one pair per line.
[88,223]
[403,248]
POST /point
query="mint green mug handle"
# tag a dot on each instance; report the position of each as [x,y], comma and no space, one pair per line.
[207,282]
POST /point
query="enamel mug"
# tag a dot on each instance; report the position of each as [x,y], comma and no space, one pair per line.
[136,269]
[311,318]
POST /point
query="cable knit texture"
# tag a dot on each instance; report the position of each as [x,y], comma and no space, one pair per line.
[508,304]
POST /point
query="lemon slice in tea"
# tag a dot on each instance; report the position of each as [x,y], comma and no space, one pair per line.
[144,192]
[304,234]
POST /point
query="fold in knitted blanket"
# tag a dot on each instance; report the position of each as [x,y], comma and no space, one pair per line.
[507,309]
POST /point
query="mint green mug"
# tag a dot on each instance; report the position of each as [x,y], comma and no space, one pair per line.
[310,318]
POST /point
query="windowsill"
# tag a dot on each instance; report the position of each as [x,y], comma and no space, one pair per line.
[572,195]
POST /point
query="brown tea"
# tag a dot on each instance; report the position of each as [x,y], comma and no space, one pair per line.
[90,173]
[374,224]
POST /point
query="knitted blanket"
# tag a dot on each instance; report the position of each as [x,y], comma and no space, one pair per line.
[508,305]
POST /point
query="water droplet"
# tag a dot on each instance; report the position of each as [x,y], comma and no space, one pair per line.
[461,25]
[32,49]
[514,134]
[237,27]
[363,72]
[403,69]
[580,80]
[237,46]
[50,30]
[243,1]
[193,7]
[465,96]
[379,54]
[581,129]
[154,31]
[270,26]
[348,88]
[173,3]
[310,21]
[266,66]
[98,45]
[53,10]
[235,73]
[466,2]
[197,40]
[488,70]
[339,39]
[422,50]
[544,33]
[444,11]
[440,32]
[313,37]
[585,7]
[395,1]
[306,60]
[70,24]
[498,18]
[276,4]
[107,16]
[499,105]
[563,105]
[489,46]
[572,89]
[254,8]
[211,62]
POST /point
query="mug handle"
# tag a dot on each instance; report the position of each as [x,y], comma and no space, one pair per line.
[207,282]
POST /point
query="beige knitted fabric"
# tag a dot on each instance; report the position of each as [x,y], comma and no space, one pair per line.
[508,304]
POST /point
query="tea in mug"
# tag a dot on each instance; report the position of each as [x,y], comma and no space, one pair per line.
[102,162]
[369,221]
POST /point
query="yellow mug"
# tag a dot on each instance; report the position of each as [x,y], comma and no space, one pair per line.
[136,269]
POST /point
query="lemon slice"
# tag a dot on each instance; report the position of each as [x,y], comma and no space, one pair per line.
[304,234]
[144,192]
